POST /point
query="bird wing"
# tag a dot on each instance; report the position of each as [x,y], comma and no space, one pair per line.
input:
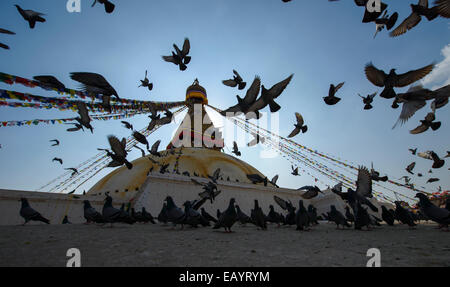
[4,31]
[253,91]
[116,146]
[91,80]
[274,179]
[233,109]
[281,202]
[170,59]
[294,132]
[82,110]
[216,173]
[411,166]
[443,7]
[409,108]
[364,182]
[338,87]
[299,119]
[230,83]
[372,95]
[6,47]
[410,77]
[410,22]
[255,177]
[239,78]
[197,182]
[50,80]
[235,146]
[186,47]
[419,129]
[278,88]
[258,105]
[155,146]
[375,76]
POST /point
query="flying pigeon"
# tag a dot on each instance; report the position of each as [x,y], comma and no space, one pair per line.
[119,153]
[410,167]
[268,96]
[387,216]
[127,125]
[58,159]
[385,21]
[74,171]
[90,214]
[158,121]
[412,101]
[417,11]
[256,178]
[331,99]
[428,122]
[392,80]
[413,151]
[76,128]
[294,171]
[433,179]
[274,181]
[236,149]
[236,81]
[141,138]
[31,16]
[437,162]
[93,83]
[56,142]
[146,82]
[309,191]
[368,101]
[50,82]
[29,214]
[181,57]
[84,118]
[109,7]
[154,149]
[299,126]
[207,216]
[243,105]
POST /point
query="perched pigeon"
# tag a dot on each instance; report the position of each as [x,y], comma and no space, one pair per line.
[312,214]
[242,217]
[392,80]
[387,216]
[66,220]
[256,178]
[362,217]
[90,214]
[337,217]
[331,99]
[31,16]
[162,216]
[258,217]
[192,216]
[175,215]
[111,214]
[403,215]
[349,215]
[147,216]
[301,217]
[227,218]
[29,214]
[236,81]
[299,126]
[439,215]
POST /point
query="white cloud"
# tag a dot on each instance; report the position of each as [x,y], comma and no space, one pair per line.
[440,76]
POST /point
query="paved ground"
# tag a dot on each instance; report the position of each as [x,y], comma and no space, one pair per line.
[155,245]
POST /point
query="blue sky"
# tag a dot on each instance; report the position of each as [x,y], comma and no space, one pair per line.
[320,42]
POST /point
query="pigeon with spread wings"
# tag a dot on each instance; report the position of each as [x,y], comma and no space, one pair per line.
[428,122]
[299,126]
[393,80]
[236,81]
[331,99]
[268,96]
[31,16]
[244,104]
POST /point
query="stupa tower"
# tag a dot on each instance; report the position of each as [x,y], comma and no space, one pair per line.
[197,129]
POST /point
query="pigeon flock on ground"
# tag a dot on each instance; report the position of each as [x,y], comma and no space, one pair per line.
[257,98]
